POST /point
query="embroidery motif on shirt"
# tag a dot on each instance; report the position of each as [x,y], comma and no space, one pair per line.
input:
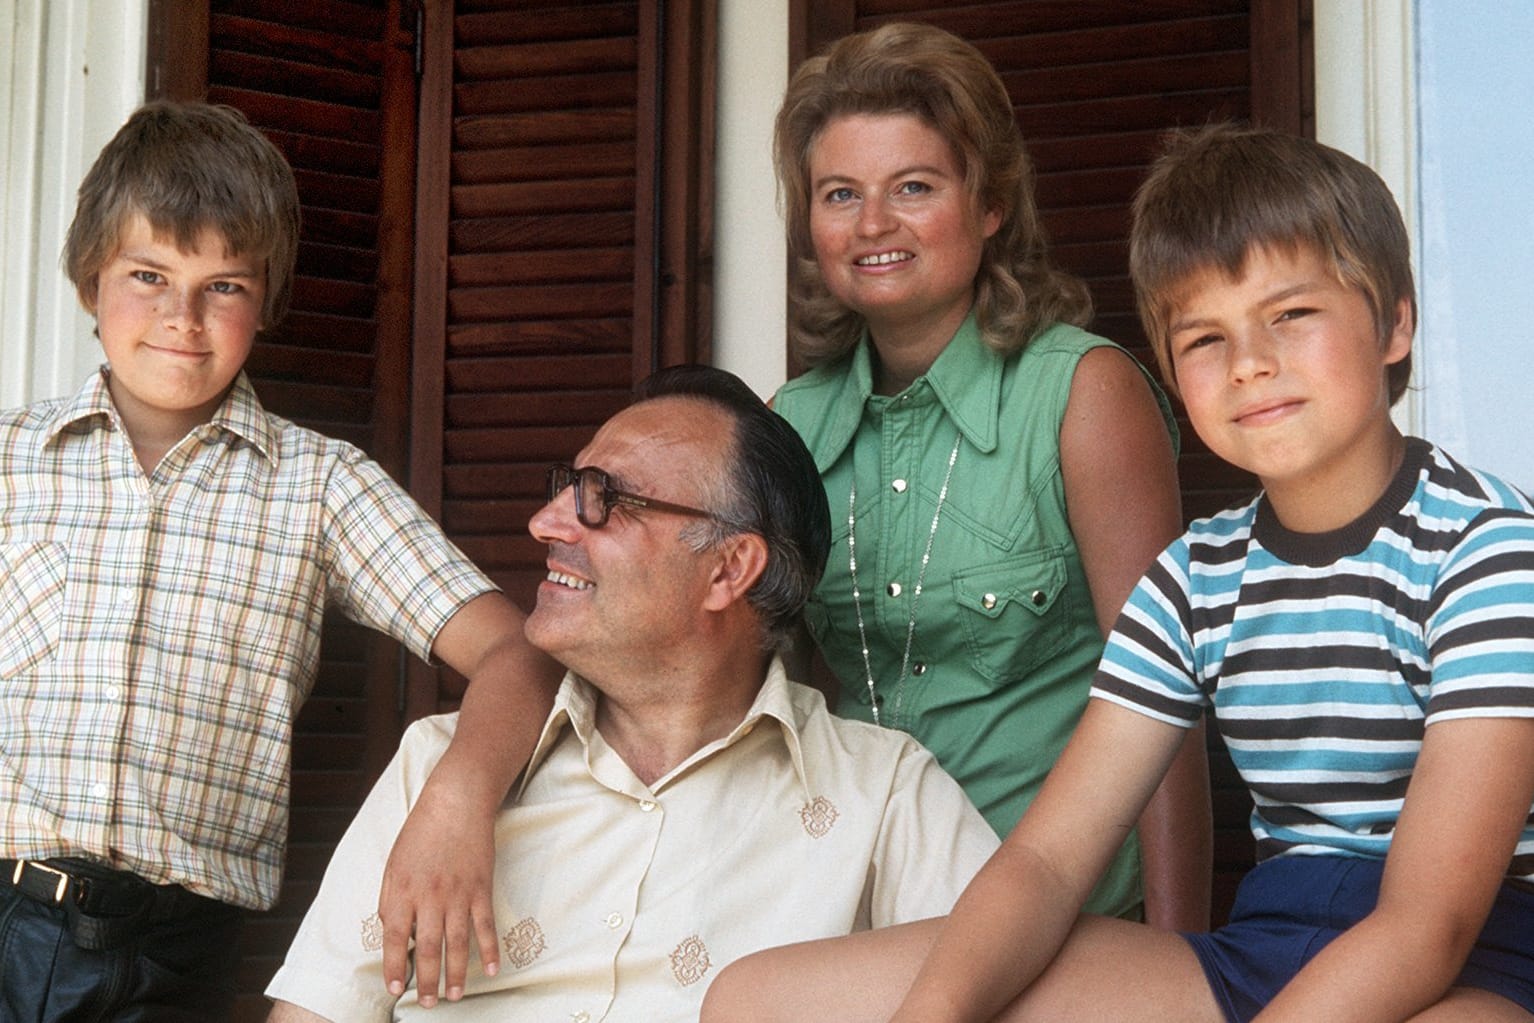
[523,943]
[372,933]
[818,816]
[689,961]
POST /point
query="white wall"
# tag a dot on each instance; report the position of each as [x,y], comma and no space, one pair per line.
[750,293]
[72,72]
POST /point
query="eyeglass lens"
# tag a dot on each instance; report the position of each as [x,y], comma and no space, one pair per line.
[590,492]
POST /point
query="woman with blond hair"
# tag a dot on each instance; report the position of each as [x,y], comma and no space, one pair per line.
[998,477]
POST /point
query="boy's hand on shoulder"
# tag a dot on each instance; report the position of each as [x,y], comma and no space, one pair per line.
[437,889]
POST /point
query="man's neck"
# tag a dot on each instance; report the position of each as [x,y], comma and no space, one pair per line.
[655,723]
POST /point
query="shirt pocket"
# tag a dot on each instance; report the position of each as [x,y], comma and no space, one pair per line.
[1013,614]
[32,578]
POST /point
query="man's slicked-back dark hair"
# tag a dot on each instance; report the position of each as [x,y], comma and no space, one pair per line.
[771,488]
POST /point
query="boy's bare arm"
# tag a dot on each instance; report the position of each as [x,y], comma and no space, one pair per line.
[438,881]
[1465,807]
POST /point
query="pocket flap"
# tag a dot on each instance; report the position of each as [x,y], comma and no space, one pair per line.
[1034,585]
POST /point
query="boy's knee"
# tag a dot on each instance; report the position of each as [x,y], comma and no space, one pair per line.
[727,999]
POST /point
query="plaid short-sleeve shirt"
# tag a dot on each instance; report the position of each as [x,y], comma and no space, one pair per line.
[158,633]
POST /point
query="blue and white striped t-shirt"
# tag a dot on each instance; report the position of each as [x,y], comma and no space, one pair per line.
[1324,656]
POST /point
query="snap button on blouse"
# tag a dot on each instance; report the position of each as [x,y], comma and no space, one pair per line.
[988,601]
[1038,598]
[919,668]
[894,589]
[898,486]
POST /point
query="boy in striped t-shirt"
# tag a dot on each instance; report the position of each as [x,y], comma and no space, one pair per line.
[1362,630]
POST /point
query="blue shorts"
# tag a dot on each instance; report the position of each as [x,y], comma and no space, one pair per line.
[1288,908]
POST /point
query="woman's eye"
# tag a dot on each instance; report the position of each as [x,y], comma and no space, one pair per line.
[839,195]
[146,276]
[913,188]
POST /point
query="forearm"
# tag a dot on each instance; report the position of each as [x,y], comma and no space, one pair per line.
[1377,970]
[500,719]
[1001,935]
[1177,841]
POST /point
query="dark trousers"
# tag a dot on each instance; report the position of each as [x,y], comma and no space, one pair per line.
[169,971]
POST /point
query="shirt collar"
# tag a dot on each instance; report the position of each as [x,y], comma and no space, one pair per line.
[240,413]
[965,379]
[575,707]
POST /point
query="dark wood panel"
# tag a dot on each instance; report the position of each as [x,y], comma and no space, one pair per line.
[534,163]
[506,62]
[506,234]
[559,126]
[555,337]
[546,23]
[518,198]
[606,89]
[541,267]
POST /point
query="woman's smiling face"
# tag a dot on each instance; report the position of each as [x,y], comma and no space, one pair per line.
[897,234]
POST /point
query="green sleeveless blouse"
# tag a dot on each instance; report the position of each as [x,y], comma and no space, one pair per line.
[1006,639]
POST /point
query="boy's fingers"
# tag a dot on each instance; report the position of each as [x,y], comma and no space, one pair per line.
[456,953]
[484,932]
[396,948]
[428,959]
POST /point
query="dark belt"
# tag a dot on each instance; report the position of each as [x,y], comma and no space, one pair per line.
[105,907]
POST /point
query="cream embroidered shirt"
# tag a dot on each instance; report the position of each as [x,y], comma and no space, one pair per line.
[620,901]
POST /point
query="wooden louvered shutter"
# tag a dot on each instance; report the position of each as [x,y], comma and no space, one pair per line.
[563,251]
[1095,84]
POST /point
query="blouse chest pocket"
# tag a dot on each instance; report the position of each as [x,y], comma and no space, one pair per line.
[32,578]
[1014,613]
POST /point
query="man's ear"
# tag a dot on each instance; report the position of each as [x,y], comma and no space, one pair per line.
[742,560]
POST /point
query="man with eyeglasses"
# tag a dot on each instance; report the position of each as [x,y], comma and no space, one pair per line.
[686,803]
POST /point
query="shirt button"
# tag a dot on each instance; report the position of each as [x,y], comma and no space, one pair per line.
[614,921]
[988,601]
[898,486]
[893,589]
[99,790]
[580,1017]
[125,595]
[919,668]
[647,805]
[113,692]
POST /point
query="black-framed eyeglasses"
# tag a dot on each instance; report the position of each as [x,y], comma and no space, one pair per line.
[595,496]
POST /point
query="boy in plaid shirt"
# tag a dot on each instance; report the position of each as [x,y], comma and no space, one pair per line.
[167,551]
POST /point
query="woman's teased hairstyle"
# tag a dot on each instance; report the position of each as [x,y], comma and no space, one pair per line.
[908,68]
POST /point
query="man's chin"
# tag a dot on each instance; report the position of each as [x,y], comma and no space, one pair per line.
[547,629]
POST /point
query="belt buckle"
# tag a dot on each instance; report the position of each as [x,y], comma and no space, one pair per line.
[58,890]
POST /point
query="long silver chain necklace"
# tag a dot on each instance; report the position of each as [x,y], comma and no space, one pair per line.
[921,575]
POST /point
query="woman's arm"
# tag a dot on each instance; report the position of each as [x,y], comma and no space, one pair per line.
[1122,500]
[1019,909]
[437,885]
[1467,803]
